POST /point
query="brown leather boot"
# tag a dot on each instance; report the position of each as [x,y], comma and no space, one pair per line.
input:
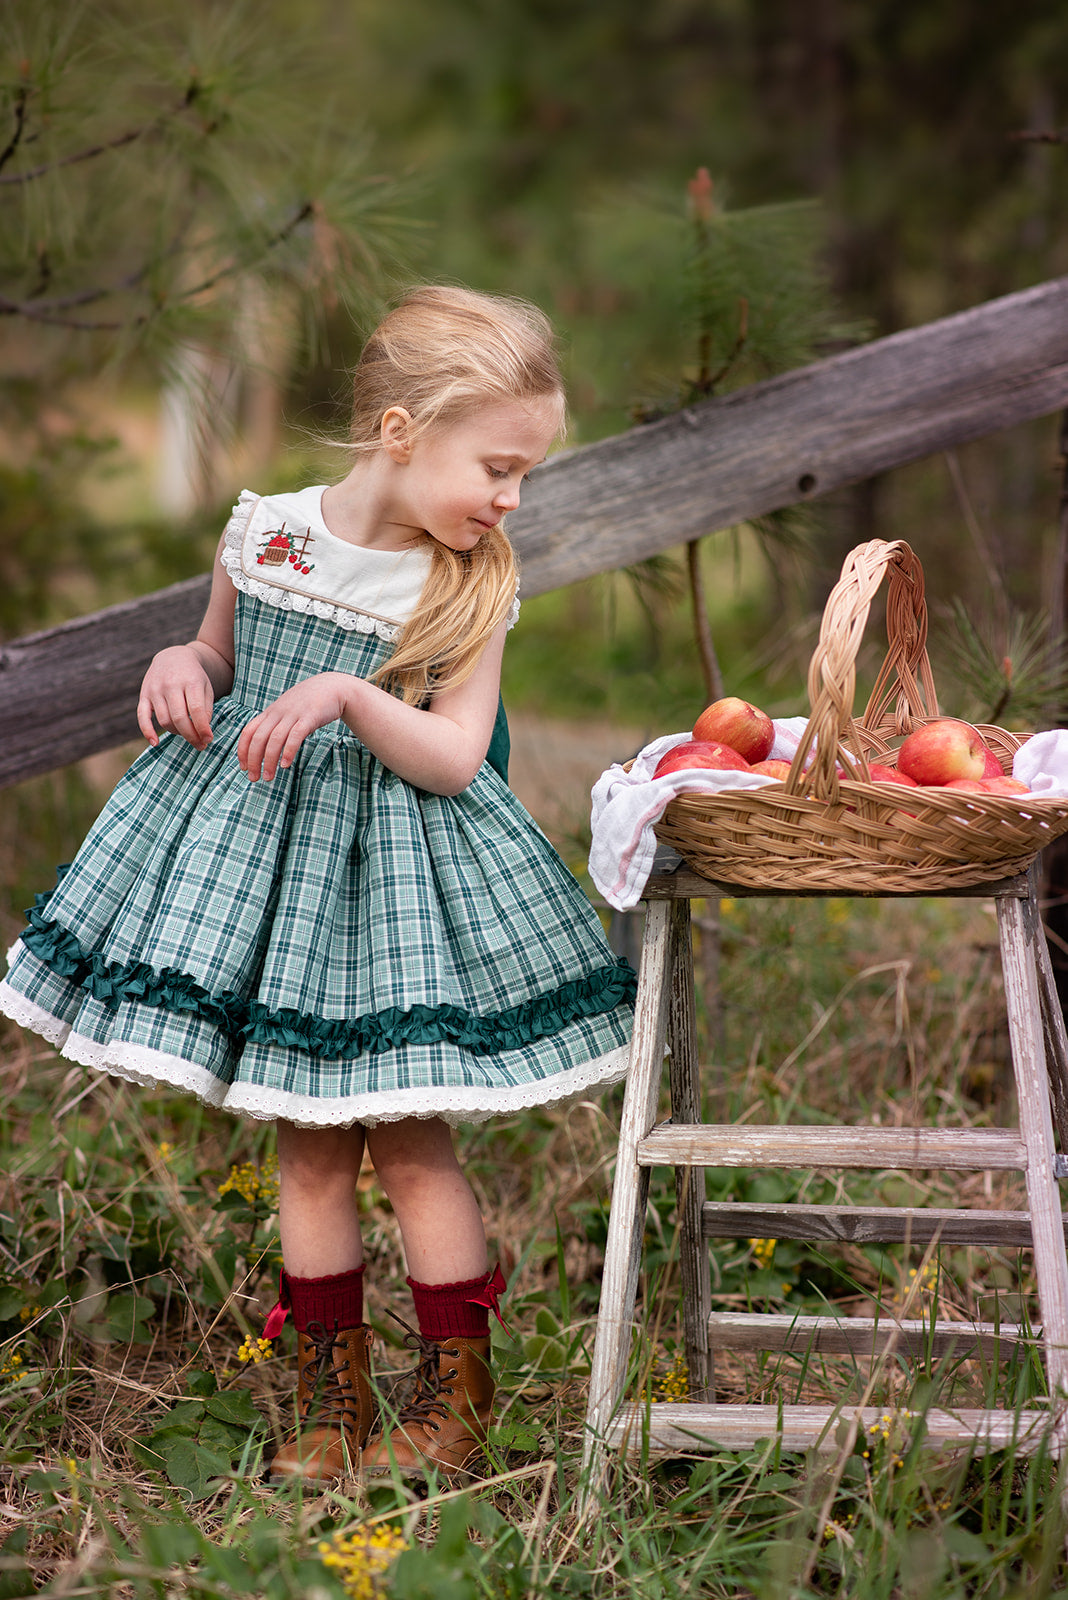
[335,1407]
[444,1425]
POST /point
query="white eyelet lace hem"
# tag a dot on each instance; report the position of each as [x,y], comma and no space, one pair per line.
[456,1105]
[29,1015]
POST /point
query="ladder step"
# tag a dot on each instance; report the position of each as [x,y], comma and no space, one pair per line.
[866,1224]
[865,1336]
[674,1429]
[702,1144]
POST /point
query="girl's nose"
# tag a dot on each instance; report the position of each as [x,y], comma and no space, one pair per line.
[507,496]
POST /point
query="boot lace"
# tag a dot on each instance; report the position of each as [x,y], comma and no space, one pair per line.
[425,1401]
[328,1394]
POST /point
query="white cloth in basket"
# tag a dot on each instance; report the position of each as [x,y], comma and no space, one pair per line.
[626,805]
[1042,763]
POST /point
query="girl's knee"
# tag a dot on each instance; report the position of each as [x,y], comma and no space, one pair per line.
[415,1156]
[319,1155]
[417,1143]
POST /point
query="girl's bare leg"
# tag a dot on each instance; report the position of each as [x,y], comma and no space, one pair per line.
[440,1223]
[317,1216]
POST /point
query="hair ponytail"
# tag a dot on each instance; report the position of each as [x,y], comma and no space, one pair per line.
[466,596]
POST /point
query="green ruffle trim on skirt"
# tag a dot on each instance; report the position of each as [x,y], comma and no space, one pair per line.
[332,1039]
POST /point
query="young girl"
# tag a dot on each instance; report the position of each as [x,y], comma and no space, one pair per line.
[314,898]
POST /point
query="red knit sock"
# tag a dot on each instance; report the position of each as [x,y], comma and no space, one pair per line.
[447,1311]
[336,1302]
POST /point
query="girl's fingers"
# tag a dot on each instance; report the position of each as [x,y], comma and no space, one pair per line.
[184,709]
[252,746]
[270,742]
[200,718]
[145,722]
[284,742]
[182,720]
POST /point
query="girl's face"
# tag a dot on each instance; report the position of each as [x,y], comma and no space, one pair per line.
[458,480]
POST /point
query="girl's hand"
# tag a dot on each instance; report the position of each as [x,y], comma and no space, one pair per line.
[177,694]
[272,739]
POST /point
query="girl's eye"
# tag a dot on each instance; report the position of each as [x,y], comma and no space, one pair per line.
[496,472]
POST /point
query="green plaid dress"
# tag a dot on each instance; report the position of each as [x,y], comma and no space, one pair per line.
[331,947]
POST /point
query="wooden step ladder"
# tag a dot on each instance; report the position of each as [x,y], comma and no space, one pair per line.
[665,1019]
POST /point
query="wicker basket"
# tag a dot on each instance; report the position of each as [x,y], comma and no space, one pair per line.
[819,831]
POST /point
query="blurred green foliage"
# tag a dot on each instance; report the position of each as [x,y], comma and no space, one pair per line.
[872,166]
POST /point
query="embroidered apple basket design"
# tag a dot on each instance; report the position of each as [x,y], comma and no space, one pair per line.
[282,547]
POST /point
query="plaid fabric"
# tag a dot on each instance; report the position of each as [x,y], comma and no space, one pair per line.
[336,892]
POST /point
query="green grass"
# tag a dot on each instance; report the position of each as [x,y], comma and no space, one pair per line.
[133,1431]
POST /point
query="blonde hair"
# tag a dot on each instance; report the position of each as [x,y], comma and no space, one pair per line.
[440,354]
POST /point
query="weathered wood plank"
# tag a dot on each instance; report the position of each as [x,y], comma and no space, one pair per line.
[687,885]
[630,1189]
[679,1429]
[741,1145]
[866,1337]
[797,436]
[868,1224]
[684,1076]
[72,690]
[1020,933]
[625,498]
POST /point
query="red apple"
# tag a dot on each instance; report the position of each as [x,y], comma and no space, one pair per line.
[701,753]
[969,785]
[772,768]
[881,774]
[736,723]
[940,751]
[992,767]
[1004,785]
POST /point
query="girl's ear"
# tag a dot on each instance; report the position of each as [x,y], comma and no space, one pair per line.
[395,434]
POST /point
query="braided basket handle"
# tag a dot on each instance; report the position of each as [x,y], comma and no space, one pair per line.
[904,679]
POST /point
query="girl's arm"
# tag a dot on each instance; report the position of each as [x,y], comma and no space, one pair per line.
[183,682]
[440,749]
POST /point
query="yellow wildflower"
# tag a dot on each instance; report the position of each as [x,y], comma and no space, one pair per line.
[674,1384]
[254,1183]
[255,1350]
[269,1183]
[763,1249]
[28,1313]
[361,1560]
[10,1366]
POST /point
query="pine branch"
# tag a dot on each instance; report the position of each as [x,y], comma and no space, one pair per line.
[710,668]
[1040,136]
[50,312]
[22,100]
[192,93]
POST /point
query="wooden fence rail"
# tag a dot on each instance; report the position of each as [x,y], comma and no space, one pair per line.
[70,691]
